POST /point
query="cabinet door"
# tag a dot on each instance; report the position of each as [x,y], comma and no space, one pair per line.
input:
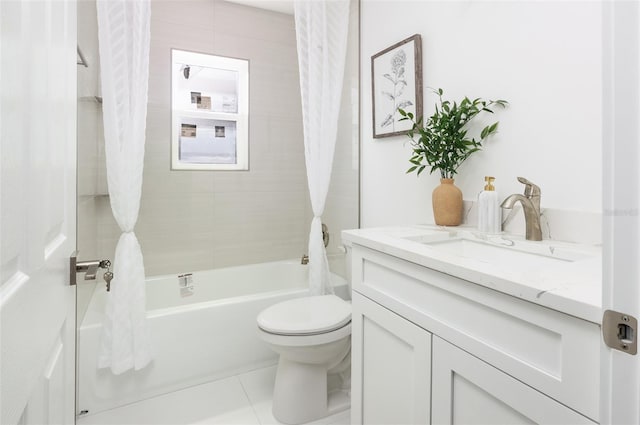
[391,367]
[468,391]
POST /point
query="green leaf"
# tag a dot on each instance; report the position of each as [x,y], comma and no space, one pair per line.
[443,141]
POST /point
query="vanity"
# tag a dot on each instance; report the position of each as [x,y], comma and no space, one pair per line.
[452,326]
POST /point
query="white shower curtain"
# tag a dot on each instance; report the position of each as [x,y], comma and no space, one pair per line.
[321,33]
[124,35]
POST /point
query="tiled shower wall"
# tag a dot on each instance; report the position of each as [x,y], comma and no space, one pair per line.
[342,208]
[193,220]
[89,143]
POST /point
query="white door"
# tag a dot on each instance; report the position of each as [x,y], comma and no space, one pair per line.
[37,210]
[620,372]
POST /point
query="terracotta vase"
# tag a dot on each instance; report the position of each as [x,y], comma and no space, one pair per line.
[447,203]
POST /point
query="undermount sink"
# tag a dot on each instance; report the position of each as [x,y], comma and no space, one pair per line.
[503,252]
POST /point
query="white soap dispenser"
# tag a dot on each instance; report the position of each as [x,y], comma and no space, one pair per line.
[489,214]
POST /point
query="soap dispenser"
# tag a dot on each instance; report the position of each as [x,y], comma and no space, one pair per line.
[489,214]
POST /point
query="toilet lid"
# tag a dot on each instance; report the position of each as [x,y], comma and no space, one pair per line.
[307,315]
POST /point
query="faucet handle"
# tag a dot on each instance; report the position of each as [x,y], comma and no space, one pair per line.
[530,189]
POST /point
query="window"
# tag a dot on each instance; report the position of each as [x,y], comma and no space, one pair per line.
[210,112]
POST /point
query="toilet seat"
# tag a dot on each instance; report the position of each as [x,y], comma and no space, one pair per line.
[306,316]
[306,340]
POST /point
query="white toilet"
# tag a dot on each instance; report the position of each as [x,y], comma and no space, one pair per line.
[313,337]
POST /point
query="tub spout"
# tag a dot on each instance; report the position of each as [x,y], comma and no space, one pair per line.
[304,260]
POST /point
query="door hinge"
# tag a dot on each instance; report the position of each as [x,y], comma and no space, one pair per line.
[620,331]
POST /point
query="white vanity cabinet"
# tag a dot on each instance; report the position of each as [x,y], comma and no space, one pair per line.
[468,391]
[428,347]
[394,367]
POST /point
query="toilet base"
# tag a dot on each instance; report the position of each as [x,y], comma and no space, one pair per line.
[300,394]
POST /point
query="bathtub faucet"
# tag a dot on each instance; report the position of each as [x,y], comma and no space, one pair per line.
[325,240]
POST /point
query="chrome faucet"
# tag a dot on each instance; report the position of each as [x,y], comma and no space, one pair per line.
[531,206]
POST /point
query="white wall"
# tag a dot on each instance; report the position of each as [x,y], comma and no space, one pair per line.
[543,57]
[193,220]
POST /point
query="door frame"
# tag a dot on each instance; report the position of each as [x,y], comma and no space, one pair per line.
[620,372]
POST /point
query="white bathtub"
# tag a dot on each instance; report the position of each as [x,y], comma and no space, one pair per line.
[209,335]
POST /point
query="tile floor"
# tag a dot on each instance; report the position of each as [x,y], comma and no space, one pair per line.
[242,399]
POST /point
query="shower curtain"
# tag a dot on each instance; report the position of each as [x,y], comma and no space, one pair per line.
[321,35]
[124,36]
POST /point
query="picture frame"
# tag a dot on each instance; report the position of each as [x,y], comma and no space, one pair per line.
[396,83]
[209,112]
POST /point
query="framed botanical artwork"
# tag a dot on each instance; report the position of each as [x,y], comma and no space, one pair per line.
[396,82]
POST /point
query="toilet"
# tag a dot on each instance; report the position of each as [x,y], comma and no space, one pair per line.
[312,335]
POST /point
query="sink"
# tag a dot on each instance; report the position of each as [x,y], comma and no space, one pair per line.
[506,253]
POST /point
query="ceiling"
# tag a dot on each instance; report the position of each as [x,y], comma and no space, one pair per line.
[282,6]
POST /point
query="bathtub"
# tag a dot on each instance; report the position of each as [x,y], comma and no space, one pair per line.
[198,335]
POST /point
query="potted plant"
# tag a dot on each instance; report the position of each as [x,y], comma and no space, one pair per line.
[443,144]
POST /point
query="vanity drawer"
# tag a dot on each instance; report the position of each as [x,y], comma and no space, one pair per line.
[550,351]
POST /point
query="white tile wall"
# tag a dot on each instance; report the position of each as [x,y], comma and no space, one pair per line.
[192,220]
[89,140]
[342,206]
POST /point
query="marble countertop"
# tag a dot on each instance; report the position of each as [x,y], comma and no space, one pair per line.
[573,287]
